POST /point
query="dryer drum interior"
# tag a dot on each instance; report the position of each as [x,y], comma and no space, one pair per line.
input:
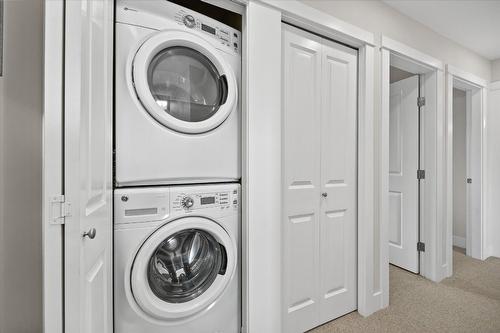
[186,84]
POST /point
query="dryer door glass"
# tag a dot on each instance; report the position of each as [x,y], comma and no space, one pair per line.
[185,265]
[186,84]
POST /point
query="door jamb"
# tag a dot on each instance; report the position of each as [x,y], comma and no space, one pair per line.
[469,81]
[52,234]
[432,189]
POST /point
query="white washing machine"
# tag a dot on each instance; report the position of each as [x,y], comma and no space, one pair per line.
[177,259]
[177,111]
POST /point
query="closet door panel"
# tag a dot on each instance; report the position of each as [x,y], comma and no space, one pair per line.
[301,144]
[338,246]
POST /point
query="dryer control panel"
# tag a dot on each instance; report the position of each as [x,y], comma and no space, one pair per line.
[226,35]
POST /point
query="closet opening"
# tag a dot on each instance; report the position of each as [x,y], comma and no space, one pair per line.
[410,168]
[405,168]
[466,194]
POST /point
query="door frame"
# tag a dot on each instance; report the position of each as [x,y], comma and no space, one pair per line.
[53,163]
[456,77]
[433,263]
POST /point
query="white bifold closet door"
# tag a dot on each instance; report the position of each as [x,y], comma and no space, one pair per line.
[403,166]
[319,164]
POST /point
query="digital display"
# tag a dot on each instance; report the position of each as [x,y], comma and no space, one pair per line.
[208,29]
[207,200]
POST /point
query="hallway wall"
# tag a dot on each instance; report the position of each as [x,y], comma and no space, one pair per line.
[495,70]
[21,168]
[459,168]
[493,162]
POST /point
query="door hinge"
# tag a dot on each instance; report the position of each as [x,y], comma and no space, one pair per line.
[469,180]
[420,101]
[60,209]
[420,174]
[421,247]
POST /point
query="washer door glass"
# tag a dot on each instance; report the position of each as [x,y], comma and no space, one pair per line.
[186,84]
[185,265]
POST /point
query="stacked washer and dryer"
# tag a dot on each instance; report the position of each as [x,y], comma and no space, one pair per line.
[177,168]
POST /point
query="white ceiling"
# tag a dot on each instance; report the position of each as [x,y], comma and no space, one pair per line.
[473,24]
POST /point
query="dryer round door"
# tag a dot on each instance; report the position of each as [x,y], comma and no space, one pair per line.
[184,82]
[182,268]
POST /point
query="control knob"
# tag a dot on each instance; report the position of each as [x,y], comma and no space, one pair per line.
[187,202]
[189,21]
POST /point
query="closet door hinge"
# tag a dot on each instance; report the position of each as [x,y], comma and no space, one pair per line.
[420,101]
[420,247]
[60,209]
[420,174]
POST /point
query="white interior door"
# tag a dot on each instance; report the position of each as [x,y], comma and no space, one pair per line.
[474,165]
[338,245]
[301,151]
[403,166]
[88,165]
[319,161]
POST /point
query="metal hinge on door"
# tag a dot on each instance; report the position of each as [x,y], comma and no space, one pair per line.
[420,101]
[420,174]
[59,209]
[420,247]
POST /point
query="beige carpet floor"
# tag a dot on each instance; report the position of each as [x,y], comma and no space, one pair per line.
[469,301]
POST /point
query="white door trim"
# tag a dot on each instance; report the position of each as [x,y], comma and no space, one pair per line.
[373,272]
[311,19]
[432,189]
[406,51]
[469,82]
[53,309]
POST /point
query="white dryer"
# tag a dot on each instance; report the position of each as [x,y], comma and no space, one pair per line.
[177,111]
[177,259]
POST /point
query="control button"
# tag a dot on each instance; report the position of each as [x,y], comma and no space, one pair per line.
[235,45]
[187,202]
[235,35]
[235,202]
[189,21]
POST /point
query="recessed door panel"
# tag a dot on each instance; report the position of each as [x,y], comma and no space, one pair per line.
[338,245]
[403,166]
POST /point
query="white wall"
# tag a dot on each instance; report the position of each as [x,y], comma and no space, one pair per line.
[21,168]
[459,167]
[495,70]
[493,165]
[379,18]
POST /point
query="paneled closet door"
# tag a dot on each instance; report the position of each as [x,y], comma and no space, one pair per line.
[338,245]
[301,163]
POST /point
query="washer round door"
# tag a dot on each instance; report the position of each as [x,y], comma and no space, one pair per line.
[182,268]
[184,82]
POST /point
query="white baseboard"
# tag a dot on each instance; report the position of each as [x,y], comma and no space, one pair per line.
[459,241]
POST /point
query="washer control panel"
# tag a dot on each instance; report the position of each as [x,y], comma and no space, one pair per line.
[226,35]
[221,200]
